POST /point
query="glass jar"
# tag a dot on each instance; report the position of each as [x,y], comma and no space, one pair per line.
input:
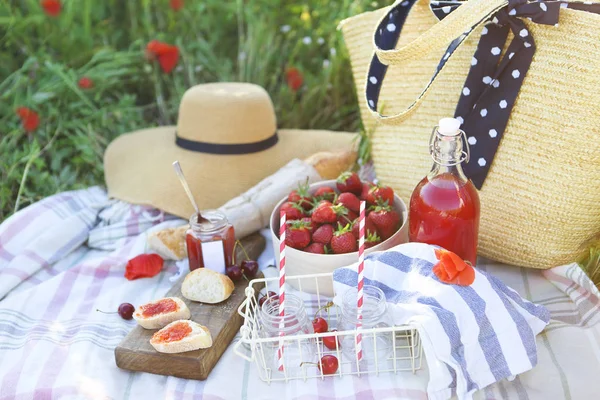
[294,322]
[444,206]
[210,244]
[374,315]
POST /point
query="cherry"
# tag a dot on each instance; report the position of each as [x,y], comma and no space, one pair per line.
[250,268]
[319,325]
[270,296]
[234,272]
[328,365]
[125,310]
[330,341]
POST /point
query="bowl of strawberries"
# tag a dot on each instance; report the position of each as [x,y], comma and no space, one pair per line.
[322,225]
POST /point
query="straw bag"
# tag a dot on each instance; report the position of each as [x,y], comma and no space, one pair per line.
[524,78]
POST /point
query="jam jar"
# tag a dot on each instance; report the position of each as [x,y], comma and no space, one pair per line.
[210,243]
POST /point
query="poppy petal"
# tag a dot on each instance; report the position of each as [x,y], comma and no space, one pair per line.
[143,266]
[466,277]
[168,60]
[51,7]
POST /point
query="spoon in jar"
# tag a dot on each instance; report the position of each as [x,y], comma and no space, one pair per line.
[186,187]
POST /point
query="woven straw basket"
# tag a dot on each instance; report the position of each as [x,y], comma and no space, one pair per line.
[540,202]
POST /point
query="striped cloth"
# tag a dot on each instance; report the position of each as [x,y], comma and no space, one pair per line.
[54,345]
[473,336]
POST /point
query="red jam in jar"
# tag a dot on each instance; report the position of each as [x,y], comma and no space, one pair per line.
[174,333]
[159,307]
[210,244]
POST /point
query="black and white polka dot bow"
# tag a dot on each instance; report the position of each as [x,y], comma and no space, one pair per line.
[493,82]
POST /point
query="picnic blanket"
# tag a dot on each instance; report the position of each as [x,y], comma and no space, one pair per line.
[64,257]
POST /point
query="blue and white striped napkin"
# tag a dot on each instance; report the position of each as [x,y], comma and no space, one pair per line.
[473,336]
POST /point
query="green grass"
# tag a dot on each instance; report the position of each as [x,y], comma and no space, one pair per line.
[42,59]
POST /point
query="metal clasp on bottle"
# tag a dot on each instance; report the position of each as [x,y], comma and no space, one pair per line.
[436,136]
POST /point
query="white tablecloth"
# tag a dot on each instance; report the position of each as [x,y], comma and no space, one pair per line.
[64,257]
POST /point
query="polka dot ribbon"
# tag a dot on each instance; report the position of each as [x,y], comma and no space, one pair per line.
[493,82]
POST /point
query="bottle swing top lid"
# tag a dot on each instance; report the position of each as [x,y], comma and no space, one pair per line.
[449,127]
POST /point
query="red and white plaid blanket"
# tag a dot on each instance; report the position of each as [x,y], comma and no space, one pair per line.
[64,257]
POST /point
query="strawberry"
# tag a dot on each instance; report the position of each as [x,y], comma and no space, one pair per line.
[325,193]
[350,201]
[347,217]
[327,213]
[371,240]
[381,194]
[349,182]
[292,211]
[323,234]
[370,228]
[343,241]
[366,186]
[297,235]
[386,220]
[317,248]
[311,225]
[301,196]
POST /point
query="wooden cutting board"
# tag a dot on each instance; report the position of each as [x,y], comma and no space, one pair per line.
[135,353]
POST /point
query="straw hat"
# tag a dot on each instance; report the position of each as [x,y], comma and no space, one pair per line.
[226,140]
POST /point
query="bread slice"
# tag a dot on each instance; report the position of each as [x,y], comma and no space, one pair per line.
[198,338]
[169,243]
[162,319]
[331,164]
[206,286]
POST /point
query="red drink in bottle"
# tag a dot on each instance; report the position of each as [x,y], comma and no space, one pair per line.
[444,207]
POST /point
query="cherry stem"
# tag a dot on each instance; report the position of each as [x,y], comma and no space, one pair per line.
[325,307]
[106,312]
[243,249]
[233,255]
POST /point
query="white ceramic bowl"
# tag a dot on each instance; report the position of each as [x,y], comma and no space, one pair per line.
[303,263]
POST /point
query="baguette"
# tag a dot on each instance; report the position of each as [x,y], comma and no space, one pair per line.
[180,336]
[330,165]
[206,286]
[169,243]
[160,317]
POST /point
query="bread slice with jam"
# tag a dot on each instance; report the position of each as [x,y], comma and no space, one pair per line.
[159,313]
[181,336]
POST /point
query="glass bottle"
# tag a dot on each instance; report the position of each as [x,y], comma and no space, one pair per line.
[294,322]
[444,207]
[374,315]
[210,244]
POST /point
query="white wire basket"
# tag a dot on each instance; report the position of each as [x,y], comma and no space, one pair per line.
[303,352]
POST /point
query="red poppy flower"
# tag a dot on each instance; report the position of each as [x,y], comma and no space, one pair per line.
[294,78]
[176,5]
[167,55]
[143,266]
[29,118]
[85,83]
[51,7]
[452,269]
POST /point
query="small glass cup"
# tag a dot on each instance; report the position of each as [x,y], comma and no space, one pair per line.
[376,347]
[294,322]
[214,239]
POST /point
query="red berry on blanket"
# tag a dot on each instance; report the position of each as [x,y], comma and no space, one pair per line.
[319,325]
[380,194]
[371,240]
[316,248]
[331,341]
[349,182]
[328,365]
[327,213]
[292,211]
[126,310]
[370,228]
[234,272]
[249,268]
[325,193]
[350,201]
[323,234]
[386,220]
[297,235]
[143,266]
[343,241]
[366,186]
[301,196]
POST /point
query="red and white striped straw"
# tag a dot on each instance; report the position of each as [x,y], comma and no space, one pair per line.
[361,278]
[282,227]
